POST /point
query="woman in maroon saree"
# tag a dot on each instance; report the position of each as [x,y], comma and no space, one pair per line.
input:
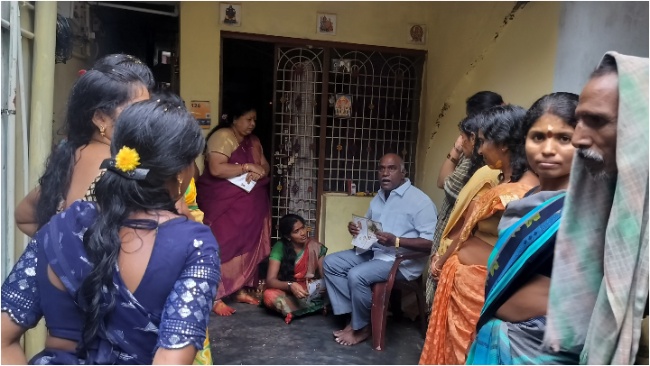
[240,220]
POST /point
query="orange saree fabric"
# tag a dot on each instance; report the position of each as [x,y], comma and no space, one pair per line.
[460,293]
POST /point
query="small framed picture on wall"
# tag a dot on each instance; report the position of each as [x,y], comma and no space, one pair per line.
[230,14]
[326,23]
[417,33]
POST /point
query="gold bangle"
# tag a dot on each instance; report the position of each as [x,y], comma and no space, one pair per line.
[396,242]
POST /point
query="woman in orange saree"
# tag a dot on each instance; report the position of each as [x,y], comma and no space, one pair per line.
[461,270]
[295,262]
[240,220]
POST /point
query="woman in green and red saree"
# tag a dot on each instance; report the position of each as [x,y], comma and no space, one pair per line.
[295,261]
[513,319]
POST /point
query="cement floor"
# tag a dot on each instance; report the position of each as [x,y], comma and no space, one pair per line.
[254,335]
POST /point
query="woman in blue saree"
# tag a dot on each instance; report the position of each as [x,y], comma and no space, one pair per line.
[512,322]
[126,279]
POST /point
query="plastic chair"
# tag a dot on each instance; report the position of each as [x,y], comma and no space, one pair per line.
[381,296]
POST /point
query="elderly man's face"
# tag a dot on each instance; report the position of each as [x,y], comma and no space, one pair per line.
[595,134]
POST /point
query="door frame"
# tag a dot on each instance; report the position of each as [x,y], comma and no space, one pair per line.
[280,41]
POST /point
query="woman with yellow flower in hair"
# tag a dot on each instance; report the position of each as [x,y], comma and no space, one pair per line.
[135,280]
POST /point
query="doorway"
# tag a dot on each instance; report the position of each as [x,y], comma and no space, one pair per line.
[333,110]
[146,30]
[247,74]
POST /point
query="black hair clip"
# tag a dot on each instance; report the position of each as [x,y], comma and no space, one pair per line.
[134,174]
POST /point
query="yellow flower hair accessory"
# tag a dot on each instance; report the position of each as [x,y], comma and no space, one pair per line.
[126,164]
[127,159]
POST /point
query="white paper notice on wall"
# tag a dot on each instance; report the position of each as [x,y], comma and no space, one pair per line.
[240,181]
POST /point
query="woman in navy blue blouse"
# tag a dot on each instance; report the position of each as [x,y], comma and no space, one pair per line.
[126,279]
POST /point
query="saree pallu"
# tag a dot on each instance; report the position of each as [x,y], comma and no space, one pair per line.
[505,343]
[190,200]
[459,297]
[457,304]
[482,181]
[521,248]
[240,220]
[304,270]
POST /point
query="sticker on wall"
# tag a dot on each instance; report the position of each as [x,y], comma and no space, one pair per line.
[200,110]
[417,33]
[341,65]
[326,23]
[230,14]
[343,106]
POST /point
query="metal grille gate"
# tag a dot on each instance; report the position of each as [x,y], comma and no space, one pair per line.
[316,149]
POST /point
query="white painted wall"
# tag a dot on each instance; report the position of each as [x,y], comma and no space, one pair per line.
[588,30]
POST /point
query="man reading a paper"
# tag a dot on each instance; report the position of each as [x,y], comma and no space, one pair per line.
[407,217]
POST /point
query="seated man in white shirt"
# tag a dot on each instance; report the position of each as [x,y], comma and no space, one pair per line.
[408,218]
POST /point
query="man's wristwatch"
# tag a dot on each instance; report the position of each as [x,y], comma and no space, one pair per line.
[289,283]
[396,242]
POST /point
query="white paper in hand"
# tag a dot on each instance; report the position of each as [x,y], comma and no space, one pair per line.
[240,181]
[315,287]
[367,232]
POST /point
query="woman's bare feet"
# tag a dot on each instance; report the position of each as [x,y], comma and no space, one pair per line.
[243,296]
[354,337]
[220,308]
[288,318]
[347,329]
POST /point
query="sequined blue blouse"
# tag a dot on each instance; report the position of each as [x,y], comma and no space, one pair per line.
[170,307]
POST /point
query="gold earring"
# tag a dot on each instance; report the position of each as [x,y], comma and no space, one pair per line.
[102,130]
[180,183]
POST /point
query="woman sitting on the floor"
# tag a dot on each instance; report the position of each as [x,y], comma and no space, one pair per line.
[295,261]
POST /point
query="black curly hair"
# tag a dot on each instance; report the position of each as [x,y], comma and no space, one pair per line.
[468,126]
[503,125]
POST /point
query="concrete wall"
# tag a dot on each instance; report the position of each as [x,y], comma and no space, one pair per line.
[65,75]
[504,48]
[588,30]
[358,22]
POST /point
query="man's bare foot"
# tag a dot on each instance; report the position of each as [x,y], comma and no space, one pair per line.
[288,318]
[354,337]
[220,308]
[347,329]
[246,298]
